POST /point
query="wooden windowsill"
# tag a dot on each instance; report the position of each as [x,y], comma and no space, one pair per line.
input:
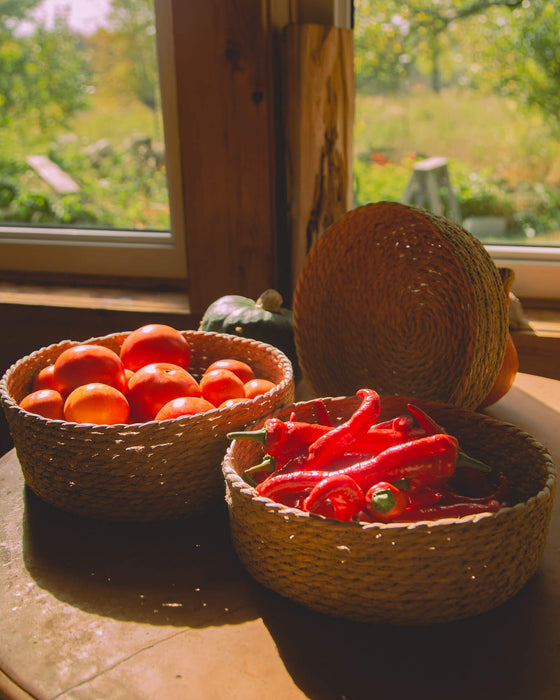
[96,309]
[543,322]
[106,298]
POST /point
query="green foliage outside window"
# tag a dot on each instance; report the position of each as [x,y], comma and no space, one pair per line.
[476,82]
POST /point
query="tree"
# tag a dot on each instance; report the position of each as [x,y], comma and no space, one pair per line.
[394,38]
[530,34]
[42,74]
[12,12]
[132,29]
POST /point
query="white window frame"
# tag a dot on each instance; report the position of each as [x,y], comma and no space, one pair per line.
[100,252]
[536,268]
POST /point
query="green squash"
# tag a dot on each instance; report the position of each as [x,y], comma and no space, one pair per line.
[265,320]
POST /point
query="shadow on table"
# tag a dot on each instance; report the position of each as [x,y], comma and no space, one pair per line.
[503,653]
[182,572]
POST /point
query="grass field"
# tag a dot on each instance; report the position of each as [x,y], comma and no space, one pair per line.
[500,155]
[116,117]
[481,131]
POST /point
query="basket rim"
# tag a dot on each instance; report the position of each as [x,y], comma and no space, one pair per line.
[235,481]
[10,403]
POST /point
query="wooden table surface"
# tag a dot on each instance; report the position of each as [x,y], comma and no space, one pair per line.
[92,610]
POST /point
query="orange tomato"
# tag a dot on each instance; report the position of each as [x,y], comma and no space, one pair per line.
[184,406]
[96,403]
[128,374]
[156,384]
[44,402]
[155,342]
[219,385]
[506,375]
[232,402]
[239,368]
[256,387]
[44,379]
[87,364]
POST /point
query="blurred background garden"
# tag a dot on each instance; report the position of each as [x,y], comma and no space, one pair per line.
[474,81]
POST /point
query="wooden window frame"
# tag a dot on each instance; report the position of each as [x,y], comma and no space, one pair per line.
[222,161]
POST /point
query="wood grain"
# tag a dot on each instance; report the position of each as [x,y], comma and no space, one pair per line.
[227,153]
[318,112]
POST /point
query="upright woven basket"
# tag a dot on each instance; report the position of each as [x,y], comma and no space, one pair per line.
[145,471]
[407,574]
[398,299]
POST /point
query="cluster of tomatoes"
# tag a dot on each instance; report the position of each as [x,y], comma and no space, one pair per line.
[147,380]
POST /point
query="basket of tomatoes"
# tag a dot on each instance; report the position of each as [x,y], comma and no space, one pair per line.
[133,425]
[387,510]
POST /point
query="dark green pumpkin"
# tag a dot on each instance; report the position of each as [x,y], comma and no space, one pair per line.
[265,320]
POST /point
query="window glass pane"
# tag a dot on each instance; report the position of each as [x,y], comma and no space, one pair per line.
[475,84]
[81,135]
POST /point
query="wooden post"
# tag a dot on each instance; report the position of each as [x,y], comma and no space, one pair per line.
[428,177]
[227,150]
[318,113]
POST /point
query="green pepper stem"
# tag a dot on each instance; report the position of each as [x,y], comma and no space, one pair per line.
[268,464]
[464,460]
[383,501]
[257,435]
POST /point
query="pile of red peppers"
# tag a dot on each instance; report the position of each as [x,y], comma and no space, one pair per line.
[403,470]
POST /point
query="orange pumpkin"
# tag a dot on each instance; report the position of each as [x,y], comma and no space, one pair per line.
[506,375]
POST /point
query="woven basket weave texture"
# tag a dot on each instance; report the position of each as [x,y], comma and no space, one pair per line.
[151,471]
[400,574]
[404,301]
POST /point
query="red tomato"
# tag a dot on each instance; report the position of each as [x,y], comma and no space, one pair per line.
[219,385]
[506,375]
[155,343]
[256,387]
[44,402]
[184,406]
[239,368]
[44,379]
[96,403]
[156,384]
[86,364]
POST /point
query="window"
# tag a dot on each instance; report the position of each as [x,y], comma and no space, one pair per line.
[128,225]
[442,79]
[219,90]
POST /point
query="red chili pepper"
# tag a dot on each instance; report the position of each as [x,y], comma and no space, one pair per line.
[341,439]
[426,422]
[385,501]
[449,495]
[342,491]
[280,486]
[425,496]
[455,510]
[322,414]
[428,460]
[377,440]
[430,427]
[283,439]
[289,440]
[369,444]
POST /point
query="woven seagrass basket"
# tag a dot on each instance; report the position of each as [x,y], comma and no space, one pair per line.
[397,298]
[404,574]
[158,470]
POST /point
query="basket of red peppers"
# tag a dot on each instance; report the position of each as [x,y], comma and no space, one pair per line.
[387,509]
